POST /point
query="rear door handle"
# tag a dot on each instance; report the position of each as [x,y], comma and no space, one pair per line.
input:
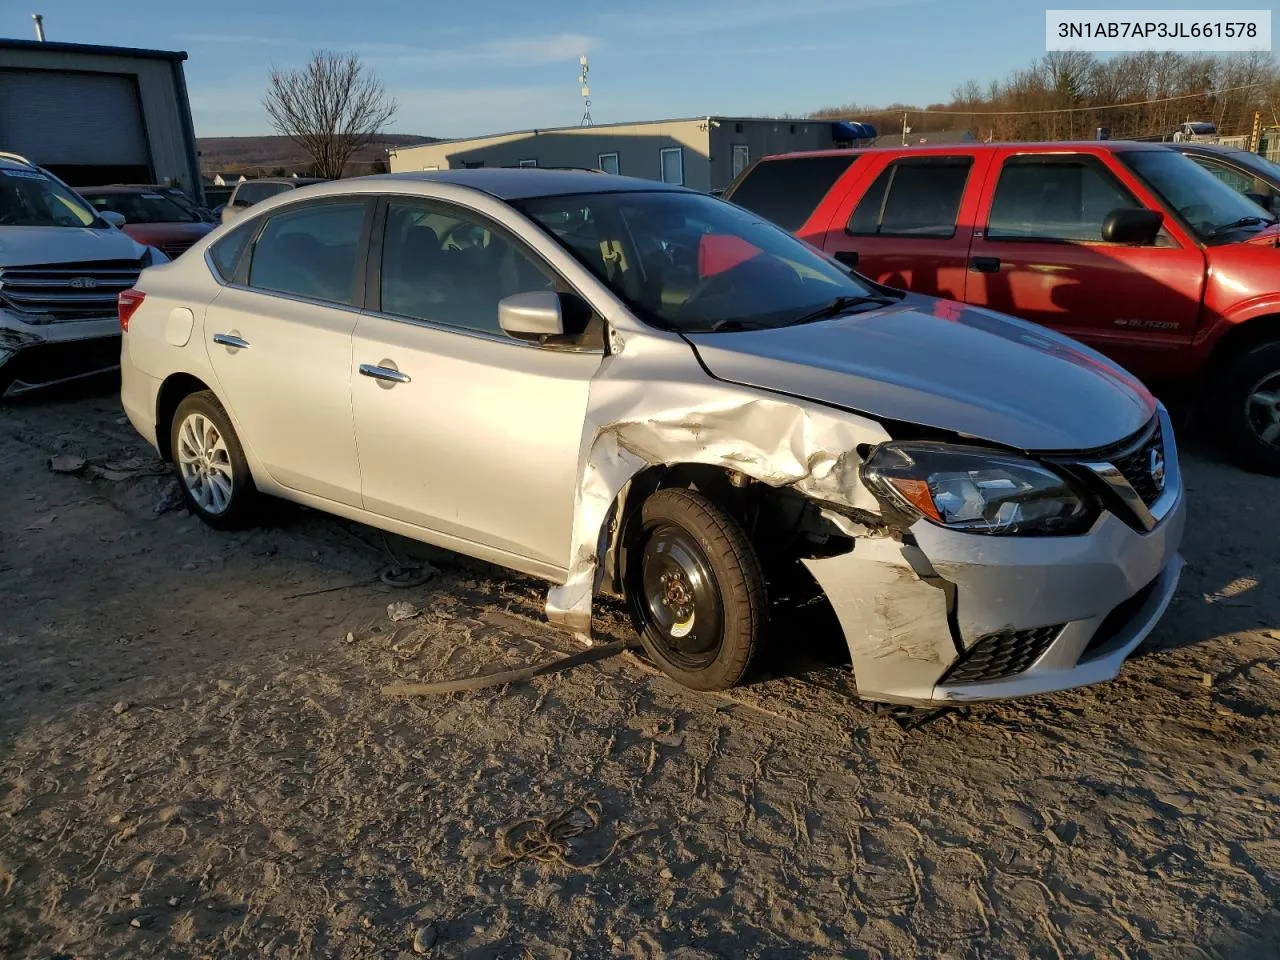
[230,340]
[985,264]
[848,257]
[383,373]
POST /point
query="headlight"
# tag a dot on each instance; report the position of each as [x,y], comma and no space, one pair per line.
[966,488]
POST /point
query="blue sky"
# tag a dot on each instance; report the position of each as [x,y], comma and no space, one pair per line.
[460,68]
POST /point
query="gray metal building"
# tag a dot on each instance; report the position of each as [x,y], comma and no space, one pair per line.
[96,115]
[700,152]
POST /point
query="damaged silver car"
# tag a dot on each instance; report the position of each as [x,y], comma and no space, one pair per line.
[632,389]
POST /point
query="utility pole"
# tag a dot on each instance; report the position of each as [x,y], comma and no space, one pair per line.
[39,21]
[905,129]
[1256,135]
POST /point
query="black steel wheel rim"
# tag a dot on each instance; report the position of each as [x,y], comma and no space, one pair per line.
[1262,408]
[680,599]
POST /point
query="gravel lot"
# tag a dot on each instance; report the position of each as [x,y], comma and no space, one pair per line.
[196,758]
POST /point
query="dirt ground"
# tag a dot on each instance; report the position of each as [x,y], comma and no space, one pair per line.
[196,759]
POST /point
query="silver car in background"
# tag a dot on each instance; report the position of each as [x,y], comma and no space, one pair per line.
[629,388]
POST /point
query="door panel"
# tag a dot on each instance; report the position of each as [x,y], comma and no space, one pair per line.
[289,389]
[911,223]
[1040,257]
[482,441]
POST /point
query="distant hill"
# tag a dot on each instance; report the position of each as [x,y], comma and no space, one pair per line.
[265,156]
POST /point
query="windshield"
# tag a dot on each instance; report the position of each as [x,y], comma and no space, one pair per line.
[1213,210]
[689,262]
[29,198]
[141,207]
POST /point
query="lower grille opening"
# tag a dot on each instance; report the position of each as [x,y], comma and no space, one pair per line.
[1117,620]
[998,656]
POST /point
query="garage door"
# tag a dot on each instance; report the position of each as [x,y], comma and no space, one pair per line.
[59,118]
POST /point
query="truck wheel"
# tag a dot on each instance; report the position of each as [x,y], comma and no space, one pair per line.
[210,463]
[1246,408]
[696,591]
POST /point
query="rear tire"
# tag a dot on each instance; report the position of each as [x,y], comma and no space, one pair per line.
[696,591]
[210,464]
[1246,408]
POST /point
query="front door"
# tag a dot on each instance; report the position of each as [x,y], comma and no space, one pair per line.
[462,429]
[1041,257]
[280,345]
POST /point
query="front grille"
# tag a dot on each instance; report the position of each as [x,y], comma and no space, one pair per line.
[1117,620]
[1135,465]
[67,291]
[998,656]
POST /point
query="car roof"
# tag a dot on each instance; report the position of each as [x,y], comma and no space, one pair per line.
[1030,146]
[122,188]
[292,180]
[520,183]
[1210,148]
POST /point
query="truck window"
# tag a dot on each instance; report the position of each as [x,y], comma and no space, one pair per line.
[787,191]
[1054,198]
[915,197]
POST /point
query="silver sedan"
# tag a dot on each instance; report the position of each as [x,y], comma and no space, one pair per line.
[633,389]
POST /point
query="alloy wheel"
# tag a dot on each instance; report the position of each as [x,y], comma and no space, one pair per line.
[1262,409]
[205,463]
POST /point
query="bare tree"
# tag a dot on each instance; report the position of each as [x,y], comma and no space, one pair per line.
[331,108]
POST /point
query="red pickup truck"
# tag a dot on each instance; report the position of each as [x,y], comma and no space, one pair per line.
[1131,248]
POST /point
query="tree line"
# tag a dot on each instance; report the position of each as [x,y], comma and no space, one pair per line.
[1069,94]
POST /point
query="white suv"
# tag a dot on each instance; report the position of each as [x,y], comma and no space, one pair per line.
[62,265]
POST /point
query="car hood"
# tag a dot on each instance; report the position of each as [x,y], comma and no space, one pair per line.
[939,364]
[24,245]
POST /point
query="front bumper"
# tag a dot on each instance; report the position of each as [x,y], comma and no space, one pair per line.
[38,355]
[944,617]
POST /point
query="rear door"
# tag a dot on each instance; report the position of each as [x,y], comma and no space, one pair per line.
[1040,255]
[279,340]
[911,226]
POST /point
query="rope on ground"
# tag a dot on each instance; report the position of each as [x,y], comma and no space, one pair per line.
[503,677]
[547,841]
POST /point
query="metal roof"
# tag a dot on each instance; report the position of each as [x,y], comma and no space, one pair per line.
[90,49]
[519,183]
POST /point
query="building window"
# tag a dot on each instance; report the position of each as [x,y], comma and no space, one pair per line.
[528,163]
[608,162]
[793,128]
[472,164]
[737,128]
[672,165]
[741,157]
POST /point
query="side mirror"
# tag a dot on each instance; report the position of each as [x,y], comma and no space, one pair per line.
[1267,201]
[531,316]
[115,219]
[1138,227]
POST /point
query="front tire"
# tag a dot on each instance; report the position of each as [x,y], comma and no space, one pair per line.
[696,591]
[210,464]
[1246,408]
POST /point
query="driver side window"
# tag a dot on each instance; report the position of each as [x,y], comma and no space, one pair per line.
[1054,197]
[445,265]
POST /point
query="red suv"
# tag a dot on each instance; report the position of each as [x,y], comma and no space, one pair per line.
[1129,247]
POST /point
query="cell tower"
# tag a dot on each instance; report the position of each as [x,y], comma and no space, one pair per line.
[586,90]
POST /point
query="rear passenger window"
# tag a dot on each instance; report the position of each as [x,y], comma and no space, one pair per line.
[310,251]
[918,197]
[1054,198]
[225,254]
[787,191]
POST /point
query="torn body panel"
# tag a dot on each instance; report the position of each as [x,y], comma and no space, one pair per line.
[652,404]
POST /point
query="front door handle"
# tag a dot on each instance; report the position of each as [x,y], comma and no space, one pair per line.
[848,257]
[231,340]
[985,264]
[386,374]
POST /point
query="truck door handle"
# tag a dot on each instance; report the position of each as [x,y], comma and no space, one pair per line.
[231,340]
[985,264]
[383,373]
[848,257]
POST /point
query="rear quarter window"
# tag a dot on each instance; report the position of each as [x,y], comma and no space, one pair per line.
[787,191]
